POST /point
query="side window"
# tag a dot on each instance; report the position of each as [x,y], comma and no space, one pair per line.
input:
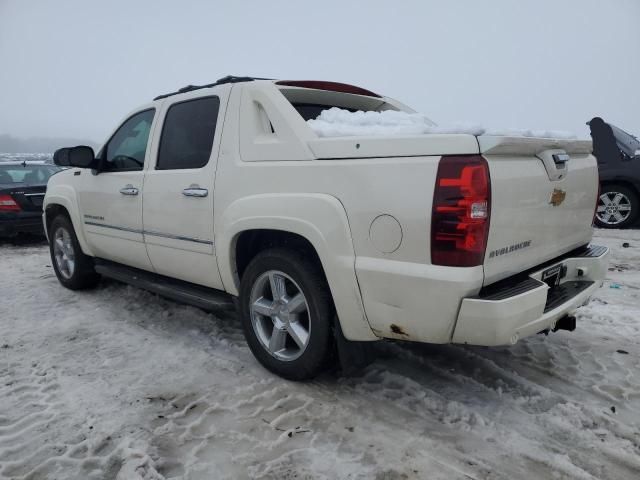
[126,149]
[187,134]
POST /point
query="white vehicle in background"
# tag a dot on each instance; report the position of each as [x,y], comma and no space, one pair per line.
[225,190]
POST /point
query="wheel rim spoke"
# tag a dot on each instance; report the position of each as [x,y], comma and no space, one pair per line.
[616,199]
[278,287]
[262,306]
[297,304]
[299,334]
[278,340]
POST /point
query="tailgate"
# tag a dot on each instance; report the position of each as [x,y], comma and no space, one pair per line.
[543,196]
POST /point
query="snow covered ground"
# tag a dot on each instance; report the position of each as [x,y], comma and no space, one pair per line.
[117,383]
[18,157]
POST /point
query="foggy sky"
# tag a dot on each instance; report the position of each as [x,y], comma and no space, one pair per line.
[74,68]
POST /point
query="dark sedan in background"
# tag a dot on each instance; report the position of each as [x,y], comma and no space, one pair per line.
[22,189]
[618,154]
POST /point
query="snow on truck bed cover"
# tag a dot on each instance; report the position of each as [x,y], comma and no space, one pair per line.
[338,122]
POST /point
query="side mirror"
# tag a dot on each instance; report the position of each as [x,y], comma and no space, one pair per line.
[81,157]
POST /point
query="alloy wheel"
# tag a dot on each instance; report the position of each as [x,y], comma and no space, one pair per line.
[280,315]
[63,252]
[613,208]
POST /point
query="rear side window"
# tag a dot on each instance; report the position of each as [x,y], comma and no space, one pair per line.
[187,134]
[29,174]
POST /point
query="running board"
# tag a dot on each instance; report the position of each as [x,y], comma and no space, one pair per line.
[202,297]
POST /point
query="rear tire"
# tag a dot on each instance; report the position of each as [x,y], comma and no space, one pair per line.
[617,207]
[73,268]
[286,313]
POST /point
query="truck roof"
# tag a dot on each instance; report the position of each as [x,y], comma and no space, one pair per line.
[313,84]
[220,81]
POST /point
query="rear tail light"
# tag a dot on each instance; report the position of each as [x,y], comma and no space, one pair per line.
[461,211]
[8,204]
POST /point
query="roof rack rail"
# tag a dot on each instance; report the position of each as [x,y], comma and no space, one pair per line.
[221,81]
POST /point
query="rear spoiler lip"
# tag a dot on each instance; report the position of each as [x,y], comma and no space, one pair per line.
[531,146]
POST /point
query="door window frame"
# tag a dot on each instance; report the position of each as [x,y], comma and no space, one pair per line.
[102,153]
[156,165]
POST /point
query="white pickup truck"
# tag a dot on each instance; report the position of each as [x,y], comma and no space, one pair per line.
[223,191]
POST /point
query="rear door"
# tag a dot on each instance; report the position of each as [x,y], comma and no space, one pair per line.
[111,201]
[178,201]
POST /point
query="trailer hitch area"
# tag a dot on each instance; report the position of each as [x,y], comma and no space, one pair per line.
[568,322]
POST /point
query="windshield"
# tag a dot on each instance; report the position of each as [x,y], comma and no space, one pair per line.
[29,174]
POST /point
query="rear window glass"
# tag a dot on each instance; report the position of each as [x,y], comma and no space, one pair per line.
[29,174]
[187,134]
[310,103]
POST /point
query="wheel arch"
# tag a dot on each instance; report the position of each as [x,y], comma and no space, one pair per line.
[60,204]
[626,182]
[316,223]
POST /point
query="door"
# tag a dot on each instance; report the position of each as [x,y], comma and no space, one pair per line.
[111,200]
[178,197]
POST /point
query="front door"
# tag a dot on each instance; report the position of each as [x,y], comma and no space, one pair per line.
[111,201]
[178,195]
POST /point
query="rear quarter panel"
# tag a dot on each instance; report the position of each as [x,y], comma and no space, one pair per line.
[400,187]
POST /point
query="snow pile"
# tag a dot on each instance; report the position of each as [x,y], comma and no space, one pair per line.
[138,466]
[337,122]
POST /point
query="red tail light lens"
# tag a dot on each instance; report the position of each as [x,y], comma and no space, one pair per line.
[461,211]
[8,204]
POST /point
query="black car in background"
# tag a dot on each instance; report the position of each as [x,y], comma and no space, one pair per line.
[22,189]
[618,154]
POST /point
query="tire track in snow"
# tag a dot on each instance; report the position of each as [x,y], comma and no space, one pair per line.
[175,391]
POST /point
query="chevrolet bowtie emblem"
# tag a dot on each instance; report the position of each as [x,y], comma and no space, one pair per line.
[557,197]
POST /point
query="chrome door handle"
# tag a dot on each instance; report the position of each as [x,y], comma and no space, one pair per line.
[129,190]
[195,191]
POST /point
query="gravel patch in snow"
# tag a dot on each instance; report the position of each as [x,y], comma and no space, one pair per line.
[117,383]
[337,122]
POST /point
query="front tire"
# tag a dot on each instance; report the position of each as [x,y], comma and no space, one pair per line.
[73,268]
[617,207]
[286,311]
